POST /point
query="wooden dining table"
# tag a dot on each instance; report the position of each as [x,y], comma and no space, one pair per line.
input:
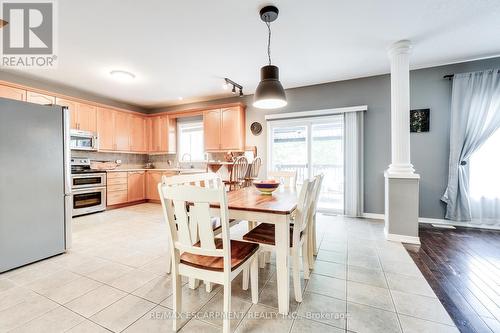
[250,205]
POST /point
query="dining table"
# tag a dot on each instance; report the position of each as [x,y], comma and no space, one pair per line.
[251,205]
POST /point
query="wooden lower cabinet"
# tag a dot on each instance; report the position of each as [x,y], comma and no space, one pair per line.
[117,185]
[153,178]
[136,185]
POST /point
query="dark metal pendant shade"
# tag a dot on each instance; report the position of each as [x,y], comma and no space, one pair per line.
[269,93]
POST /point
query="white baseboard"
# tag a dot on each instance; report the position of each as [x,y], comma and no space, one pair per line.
[401,238]
[373,216]
[427,220]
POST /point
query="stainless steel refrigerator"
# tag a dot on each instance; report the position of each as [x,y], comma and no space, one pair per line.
[35,191]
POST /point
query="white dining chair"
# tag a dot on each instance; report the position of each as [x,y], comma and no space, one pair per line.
[312,250]
[264,234]
[218,260]
[208,180]
[286,178]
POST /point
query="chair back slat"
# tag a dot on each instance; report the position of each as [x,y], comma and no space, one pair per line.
[316,192]
[198,199]
[255,167]
[239,169]
[302,211]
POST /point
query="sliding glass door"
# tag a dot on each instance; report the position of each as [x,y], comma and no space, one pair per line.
[311,146]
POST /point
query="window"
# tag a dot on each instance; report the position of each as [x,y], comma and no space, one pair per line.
[484,175]
[190,139]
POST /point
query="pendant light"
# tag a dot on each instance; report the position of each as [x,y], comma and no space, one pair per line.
[269,93]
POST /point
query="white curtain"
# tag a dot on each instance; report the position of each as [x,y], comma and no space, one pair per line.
[475,116]
[353,159]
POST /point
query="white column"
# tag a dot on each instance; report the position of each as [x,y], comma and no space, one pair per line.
[399,55]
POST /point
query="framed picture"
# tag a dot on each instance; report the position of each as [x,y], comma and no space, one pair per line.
[420,120]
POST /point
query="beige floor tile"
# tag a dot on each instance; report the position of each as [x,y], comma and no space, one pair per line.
[76,288]
[52,281]
[422,307]
[415,325]
[29,308]
[6,284]
[198,326]
[155,290]
[133,280]
[269,296]
[86,326]
[324,309]
[95,300]
[192,299]
[409,284]
[330,269]
[239,308]
[369,295]
[327,286]
[30,273]
[122,313]
[157,320]
[264,319]
[362,318]
[367,276]
[58,320]
[332,256]
[14,296]
[302,325]
[158,265]
[109,272]
[369,262]
[401,267]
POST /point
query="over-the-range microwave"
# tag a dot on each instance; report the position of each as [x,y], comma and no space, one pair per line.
[83,140]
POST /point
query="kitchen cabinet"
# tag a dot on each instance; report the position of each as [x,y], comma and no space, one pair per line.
[162,138]
[122,131]
[34,97]
[136,185]
[83,116]
[113,128]
[138,133]
[153,178]
[224,129]
[12,93]
[116,188]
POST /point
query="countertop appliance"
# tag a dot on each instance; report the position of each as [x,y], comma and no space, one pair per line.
[35,188]
[83,140]
[88,187]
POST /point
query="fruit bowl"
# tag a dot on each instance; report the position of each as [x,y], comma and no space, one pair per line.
[266,187]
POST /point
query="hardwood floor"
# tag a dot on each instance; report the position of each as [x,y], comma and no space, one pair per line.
[462,266]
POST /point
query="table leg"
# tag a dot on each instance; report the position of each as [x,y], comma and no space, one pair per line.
[282,236]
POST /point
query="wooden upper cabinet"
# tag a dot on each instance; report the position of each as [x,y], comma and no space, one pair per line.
[87,117]
[233,129]
[224,129]
[137,133]
[212,129]
[34,97]
[168,133]
[83,116]
[122,130]
[106,128]
[12,93]
[71,105]
[155,134]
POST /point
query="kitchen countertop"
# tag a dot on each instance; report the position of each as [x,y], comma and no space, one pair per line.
[180,170]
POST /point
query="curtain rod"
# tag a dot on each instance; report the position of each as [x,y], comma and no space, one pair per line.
[450,76]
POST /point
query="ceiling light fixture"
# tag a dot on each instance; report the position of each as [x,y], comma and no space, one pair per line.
[122,76]
[229,82]
[269,93]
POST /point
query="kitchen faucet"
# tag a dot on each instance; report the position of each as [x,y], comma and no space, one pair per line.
[190,161]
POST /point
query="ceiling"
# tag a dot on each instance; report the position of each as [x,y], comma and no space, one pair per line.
[184,48]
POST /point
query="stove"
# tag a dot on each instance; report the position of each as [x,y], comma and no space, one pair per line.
[88,187]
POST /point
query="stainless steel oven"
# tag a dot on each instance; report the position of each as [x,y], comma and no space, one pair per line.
[84,140]
[89,200]
[87,180]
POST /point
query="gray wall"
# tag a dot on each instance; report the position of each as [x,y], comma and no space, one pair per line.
[429,151]
[66,90]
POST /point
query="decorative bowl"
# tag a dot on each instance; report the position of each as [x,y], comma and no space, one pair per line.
[266,187]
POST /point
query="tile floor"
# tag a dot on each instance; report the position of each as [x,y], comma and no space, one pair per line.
[114,279]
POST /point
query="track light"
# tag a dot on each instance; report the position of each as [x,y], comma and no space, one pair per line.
[228,82]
